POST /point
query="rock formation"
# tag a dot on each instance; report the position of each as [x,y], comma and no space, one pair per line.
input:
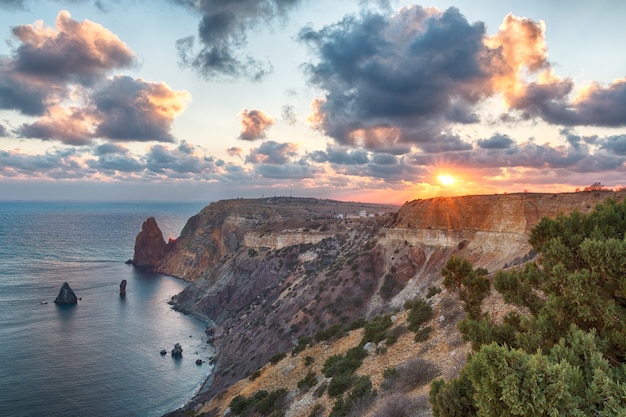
[123,287]
[177,352]
[149,245]
[66,295]
[268,271]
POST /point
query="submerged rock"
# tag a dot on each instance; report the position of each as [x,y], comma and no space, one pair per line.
[66,295]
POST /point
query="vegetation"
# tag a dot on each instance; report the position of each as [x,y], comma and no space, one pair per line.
[564,354]
[261,403]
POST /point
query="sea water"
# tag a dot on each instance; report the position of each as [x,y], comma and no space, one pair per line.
[100,357]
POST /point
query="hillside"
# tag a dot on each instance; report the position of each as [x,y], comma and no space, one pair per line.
[268,272]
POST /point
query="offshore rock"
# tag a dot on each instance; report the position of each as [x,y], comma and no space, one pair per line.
[150,246]
[66,295]
[123,287]
[177,351]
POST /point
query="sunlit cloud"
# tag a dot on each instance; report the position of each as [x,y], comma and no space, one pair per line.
[254,124]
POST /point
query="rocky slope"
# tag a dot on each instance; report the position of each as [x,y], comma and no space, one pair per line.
[269,271]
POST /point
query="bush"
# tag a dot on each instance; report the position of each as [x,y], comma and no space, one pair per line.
[255,375]
[340,384]
[261,402]
[303,342]
[376,330]
[277,358]
[415,373]
[400,405]
[333,332]
[420,312]
[308,381]
[422,335]
[317,410]
[432,291]
[308,361]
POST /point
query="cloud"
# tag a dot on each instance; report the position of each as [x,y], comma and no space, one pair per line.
[81,52]
[615,144]
[272,153]
[13,4]
[121,109]
[497,141]
[288,114]
[341,156]
[61,74]
[136,110]
[383,76]
[223,34]
[110,148]
[234,151]
[3,131]
[404,80]
[254,124]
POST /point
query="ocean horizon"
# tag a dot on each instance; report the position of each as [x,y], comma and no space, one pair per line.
[100,357]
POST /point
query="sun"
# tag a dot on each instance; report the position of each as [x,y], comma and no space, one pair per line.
[445,179]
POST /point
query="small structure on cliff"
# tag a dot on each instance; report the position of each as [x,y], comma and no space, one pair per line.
[66,295]
[123,287]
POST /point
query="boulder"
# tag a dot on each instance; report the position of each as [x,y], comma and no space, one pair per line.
[177,351]
[149,245]
[66,295]
[123,287]
[163,352]
[198,361]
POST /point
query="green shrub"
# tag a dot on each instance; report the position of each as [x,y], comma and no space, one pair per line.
[277,358]
[340,384]
[423,334]
[308,361]
[333,332]
[432,291]
[303,342]
[308,381]
[376,330]
[420,312]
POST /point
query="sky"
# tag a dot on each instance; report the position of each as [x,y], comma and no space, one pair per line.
[366,100]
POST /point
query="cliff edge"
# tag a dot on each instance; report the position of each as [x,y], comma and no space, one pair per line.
[269,271]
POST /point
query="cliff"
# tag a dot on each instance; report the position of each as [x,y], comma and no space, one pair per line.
[268,271]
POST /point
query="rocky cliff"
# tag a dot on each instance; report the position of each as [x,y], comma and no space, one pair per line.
[269,271]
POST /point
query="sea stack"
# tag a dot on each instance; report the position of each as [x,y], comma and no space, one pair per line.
[149,245]
[66,295]
[123,287]
[177,351]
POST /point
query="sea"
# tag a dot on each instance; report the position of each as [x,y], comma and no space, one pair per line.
[100,357]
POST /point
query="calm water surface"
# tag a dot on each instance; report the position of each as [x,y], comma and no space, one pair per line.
[100,357]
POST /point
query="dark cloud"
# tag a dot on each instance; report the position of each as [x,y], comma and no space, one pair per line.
[136,110]
[291,171]
[254,124]
[26,96]
[340,156]
[3,131]
[497,141]
[273,153]
[110,148]
[223,33]
[615,144]
[400,80]
[385,76]
[116,162]
[13,4]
